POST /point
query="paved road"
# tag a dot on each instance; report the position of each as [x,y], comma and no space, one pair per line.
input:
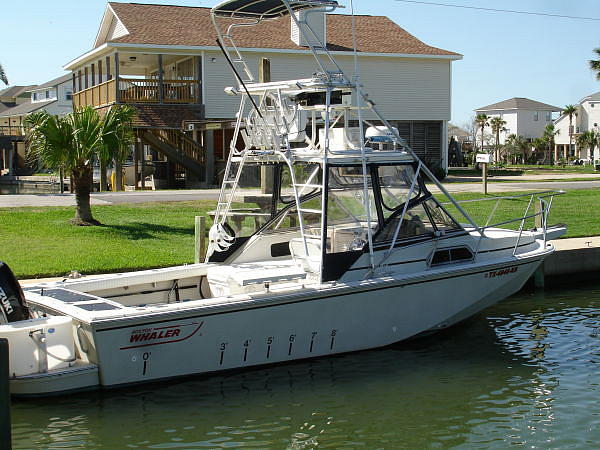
[115,198]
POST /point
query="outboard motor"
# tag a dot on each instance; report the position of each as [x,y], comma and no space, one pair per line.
[13,306]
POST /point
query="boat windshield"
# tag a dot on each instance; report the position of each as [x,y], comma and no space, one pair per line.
[347,220]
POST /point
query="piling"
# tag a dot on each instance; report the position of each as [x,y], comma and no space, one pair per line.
[200,238]
[5,427]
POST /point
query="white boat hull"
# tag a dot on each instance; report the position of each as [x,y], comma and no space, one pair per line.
[377,314]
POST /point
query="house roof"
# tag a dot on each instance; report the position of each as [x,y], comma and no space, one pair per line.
[24,108]
[595,97]
[15,91]
[520,103]
[192,26]
[6,105]
[52,83]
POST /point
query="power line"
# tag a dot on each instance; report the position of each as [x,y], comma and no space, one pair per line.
[531,13]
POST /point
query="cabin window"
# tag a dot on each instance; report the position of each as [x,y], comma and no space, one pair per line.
[548,116]
[35,96]
[536,116]
[47,94]
[451,255]
[69,95]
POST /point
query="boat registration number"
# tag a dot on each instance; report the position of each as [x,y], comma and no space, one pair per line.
[501,272]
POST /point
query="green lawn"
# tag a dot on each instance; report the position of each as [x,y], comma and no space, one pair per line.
[38,242]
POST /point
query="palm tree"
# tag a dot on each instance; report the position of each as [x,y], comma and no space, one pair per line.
[3,75]
[482,121]
[517,145]
[550,132]
[570,110]
[74,141]
[589,139]
[497,125]
[595,63]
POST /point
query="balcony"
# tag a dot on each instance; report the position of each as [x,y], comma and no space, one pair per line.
[139,90]
[13,130]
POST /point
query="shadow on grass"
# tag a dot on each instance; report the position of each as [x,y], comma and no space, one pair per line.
[141,230]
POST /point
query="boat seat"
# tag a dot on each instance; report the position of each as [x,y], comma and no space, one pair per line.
[310,262]
[250,277]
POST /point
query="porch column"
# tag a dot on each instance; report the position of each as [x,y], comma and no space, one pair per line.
[11,155]
[93,75]
[118,90]
[85,77]
[199,78]
[99,71]
[108,74]
[103,180]
[79,79]
[161,86]
[209,161]
[555,154]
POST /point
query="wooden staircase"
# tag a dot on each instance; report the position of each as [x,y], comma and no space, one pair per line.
[180,149]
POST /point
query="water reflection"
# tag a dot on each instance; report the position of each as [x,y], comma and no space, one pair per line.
[523,373]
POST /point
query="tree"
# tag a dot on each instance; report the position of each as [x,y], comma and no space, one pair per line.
[517,145]
[482,122]
[550,132]
[570,110]
[589,139]
[74,141]
[497,125]
[595,63]
[3,77]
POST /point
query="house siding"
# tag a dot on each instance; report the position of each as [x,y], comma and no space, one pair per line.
[115,30]
[402,88]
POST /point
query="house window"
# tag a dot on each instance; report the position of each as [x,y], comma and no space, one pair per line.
[69,95]
[35,97]
[47,94]
[548,116]
[536,116]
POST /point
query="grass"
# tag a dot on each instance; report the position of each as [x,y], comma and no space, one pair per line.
[38,242]
[579,209]
[524,169]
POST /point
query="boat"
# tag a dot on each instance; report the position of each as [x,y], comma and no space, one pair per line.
[349,250]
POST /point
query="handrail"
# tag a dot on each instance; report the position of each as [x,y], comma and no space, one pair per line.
[138,90]
[545,207]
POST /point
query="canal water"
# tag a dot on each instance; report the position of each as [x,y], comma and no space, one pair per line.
[524,373]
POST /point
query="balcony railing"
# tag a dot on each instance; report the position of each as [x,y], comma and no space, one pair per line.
[138,90]
[13,130]
[99,95]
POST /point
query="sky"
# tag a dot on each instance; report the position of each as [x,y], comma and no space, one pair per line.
[504,55]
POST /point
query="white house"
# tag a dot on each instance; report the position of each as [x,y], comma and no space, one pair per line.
[523,117]
[587,118]
[54,97]
[164,61]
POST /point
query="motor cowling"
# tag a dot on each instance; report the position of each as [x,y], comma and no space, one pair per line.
[13,306]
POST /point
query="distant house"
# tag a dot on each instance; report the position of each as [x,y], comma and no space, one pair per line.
[55,97]
[588,118]
[164,61]
[524,117]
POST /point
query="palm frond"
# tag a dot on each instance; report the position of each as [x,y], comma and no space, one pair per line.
[3,77]
[117,133]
